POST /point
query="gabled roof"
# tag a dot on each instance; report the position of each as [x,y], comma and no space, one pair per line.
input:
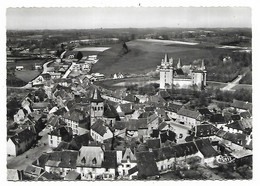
[110,160]
[62,132]
[188,113]
[162,126]
[235,117]
[237,138]
[99,127]
[132,170]
[146,164]
[164,94]
[167,135]
[13,175]
[206,148]
[128,154]
[74,115]
[22,136]
[120,125]
[155,133]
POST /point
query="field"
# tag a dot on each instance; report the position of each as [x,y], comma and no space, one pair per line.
[145,55]
[27,64]
[27,75]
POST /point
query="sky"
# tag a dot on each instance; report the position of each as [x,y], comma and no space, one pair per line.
[135,17]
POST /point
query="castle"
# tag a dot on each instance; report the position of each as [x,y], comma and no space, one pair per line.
[181,76]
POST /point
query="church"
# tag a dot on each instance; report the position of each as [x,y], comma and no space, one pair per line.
[181,76]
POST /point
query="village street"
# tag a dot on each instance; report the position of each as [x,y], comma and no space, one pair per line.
[22,161]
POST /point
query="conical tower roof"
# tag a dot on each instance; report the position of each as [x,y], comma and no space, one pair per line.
[166,59]
[96,97]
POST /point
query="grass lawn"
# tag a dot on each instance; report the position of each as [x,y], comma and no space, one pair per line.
[244,86]
[27,75]
[144,56]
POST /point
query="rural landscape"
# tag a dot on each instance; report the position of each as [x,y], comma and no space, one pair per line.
[159,103]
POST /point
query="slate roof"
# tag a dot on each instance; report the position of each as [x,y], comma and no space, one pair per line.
[135,124]
[217,118]
[90,156]
[178,150]
[162,125]
[127,108]
[235,117]
[235,125]
[99,127]
[146,164]
[96,97]
[153,143]
[205,111]
[79,141]
[72,175]
[167,135]
[242,105]
[33,170]
[206,148]
[206,130]
[131,98]
[133,170]
[62,159]
[188,113]
[110,111]
[120,125]
[74,115]
[155,133]
[245,114]
[22,136]
[110,161]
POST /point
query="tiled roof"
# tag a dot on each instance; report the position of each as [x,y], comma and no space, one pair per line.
[79,141]
[206,148]
[235,117]
[217,118]
[162,125]
[75,115]
[188,113]
[245,114]
[126,108]
[131,98]
[120,125]
[205,111]
[235,125]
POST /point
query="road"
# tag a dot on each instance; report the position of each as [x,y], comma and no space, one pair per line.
[233,83]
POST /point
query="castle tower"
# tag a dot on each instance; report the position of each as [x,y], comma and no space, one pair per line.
[179,64]
[97,106]
[166,73]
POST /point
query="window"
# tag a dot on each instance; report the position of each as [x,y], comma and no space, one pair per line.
[128,165]
[51,141]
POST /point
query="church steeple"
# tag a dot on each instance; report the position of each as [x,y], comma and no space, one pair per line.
[96,97]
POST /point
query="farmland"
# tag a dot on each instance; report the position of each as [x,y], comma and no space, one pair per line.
[144,56]
[27,75]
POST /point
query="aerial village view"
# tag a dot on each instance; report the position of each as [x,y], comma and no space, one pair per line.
[127,100]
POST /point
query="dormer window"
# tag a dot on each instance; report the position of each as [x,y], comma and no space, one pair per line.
[83,160]
[94,161]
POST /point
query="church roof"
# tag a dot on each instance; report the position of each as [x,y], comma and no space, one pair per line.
[96,97]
